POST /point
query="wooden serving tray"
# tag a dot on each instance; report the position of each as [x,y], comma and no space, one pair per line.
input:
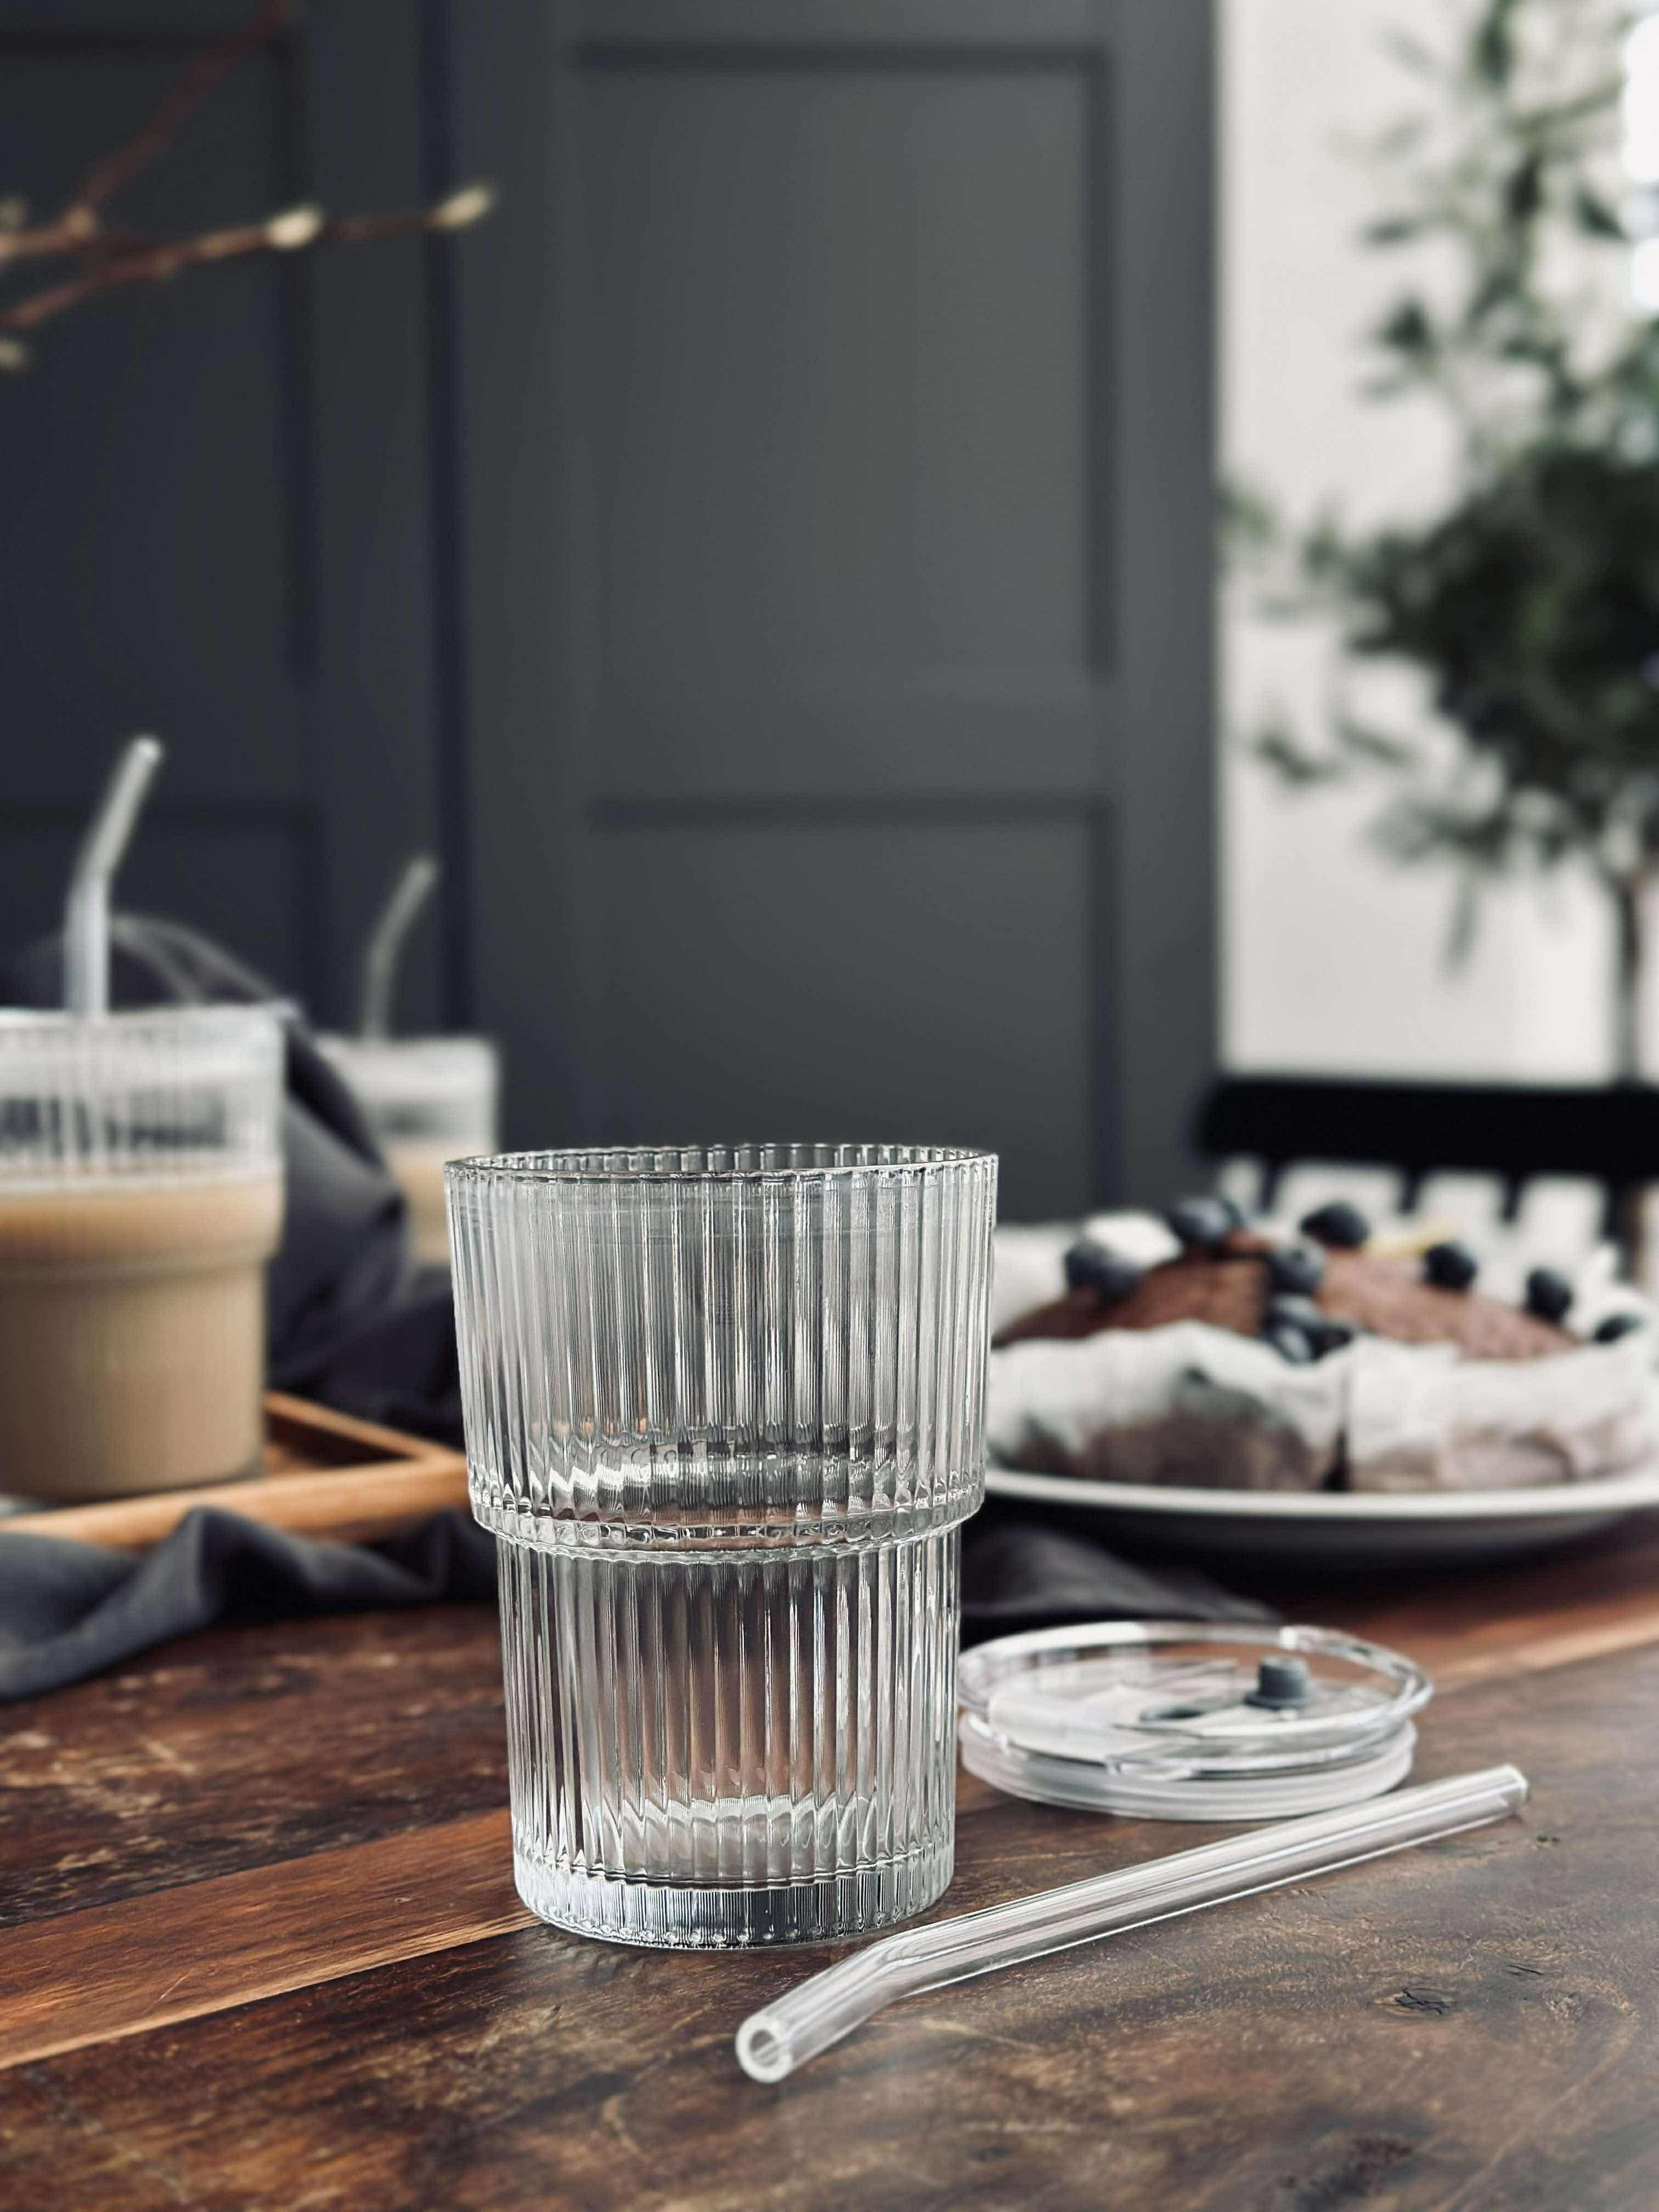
[325,1475]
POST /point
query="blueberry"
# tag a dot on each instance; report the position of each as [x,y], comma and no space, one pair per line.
[1205,1222]
[1617,1325]
[1091,1267]
[1339,1225]
[1296,1267]
[1292,1312]
[1292,1344]
[1548,1293]
[1324,1332]
[1452,1265]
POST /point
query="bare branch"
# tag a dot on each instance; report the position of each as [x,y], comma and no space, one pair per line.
[292,230]
[177,105]
[77,228]
[107,258]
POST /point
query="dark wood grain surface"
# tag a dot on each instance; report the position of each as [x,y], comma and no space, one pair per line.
[285,1843]
[245,1748]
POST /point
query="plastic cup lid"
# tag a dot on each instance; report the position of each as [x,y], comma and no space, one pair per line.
[159,1093]
[438,1087]
[1178,1720]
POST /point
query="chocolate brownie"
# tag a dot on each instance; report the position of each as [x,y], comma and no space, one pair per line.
[1230,1289]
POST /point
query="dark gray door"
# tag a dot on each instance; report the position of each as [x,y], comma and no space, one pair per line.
[837,386]
[217,496]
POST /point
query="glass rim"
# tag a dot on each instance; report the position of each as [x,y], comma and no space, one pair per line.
[437,1071]
[439,1044]
[54,1024]
[49,1050]
[664,1164]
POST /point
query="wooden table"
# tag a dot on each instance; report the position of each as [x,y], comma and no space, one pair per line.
[262,1950]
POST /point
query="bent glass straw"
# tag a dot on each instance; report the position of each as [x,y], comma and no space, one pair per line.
[86,917]
[386,943]
[781,2036]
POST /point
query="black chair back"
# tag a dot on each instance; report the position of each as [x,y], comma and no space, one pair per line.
[1608,1135]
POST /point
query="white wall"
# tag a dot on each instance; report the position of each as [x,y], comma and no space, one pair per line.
[1331,957]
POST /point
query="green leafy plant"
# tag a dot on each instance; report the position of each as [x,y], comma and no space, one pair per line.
[1531,602]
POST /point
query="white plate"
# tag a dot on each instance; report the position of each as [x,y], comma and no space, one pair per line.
[1422,1528]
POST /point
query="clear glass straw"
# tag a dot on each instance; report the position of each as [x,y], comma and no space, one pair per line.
[86,919]
[773,2042]
[386,943]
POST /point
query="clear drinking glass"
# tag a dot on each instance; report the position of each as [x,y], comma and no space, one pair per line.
[140,1196]
[724,1414]
[427,1100]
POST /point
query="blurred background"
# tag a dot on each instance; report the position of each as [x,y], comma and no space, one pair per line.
[1309,94]
[772,559]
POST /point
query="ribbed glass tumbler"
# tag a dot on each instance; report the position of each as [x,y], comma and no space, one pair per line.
[725,1415]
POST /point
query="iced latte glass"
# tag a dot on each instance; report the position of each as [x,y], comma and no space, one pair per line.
[427,1100]
[724,1414]
[140,1196]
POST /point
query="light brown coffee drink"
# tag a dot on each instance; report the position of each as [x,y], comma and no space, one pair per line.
[418,1168]
[141,1195]
[132,1335]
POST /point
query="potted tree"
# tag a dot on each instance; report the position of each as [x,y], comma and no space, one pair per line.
[1531,601]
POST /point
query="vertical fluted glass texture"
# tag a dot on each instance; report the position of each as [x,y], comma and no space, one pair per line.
[725,1413]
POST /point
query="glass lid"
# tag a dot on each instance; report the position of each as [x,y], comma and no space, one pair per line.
[1189,1721]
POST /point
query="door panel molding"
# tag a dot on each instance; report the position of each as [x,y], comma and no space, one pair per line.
[586,751]
[992,27]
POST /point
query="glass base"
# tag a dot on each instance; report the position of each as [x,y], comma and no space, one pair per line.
[713,1750]
[671,1917]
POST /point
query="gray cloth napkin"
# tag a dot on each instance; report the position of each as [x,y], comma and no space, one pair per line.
[68,1610]
[1020,1574]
